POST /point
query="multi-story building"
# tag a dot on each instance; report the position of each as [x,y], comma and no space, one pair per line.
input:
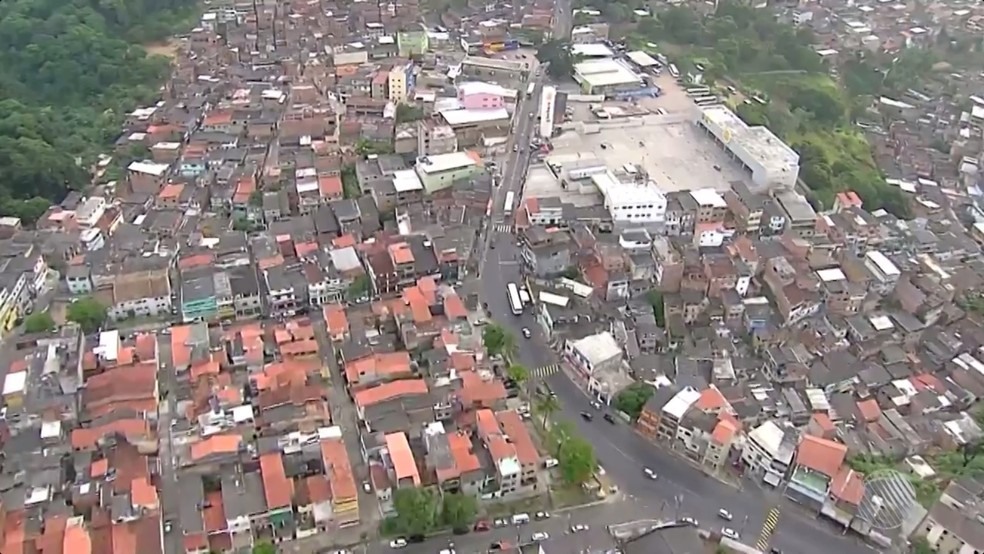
[441,171]
[477,95]
[769,451]
[434,138]
[632,204]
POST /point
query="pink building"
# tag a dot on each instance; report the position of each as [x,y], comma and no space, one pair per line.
[477,95]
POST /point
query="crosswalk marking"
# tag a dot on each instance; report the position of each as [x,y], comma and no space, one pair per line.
[769,527]
[502,228]
[544,371]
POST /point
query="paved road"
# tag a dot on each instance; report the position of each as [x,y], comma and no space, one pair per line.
[681,489]
[557,527]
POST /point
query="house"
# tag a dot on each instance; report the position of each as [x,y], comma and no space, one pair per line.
[341,477]
[515,459]
[818,462]
[546,252]
[594,354]
[400,461]
[453,458]
[954,522]
[141,294]
[768,452]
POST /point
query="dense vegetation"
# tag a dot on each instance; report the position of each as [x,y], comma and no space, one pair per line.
[747,47]
[68,76]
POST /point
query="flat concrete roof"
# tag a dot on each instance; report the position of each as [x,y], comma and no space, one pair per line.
[541,183]
[605,72]
[671,149]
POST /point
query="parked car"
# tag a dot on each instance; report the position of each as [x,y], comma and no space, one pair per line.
[725,514]
[542,515]
[689,521]
[482,525]
[730,533]
[588,416]
[527,333]
[578,528]
[500,523]
[398,543]
[540,536]
[610,418]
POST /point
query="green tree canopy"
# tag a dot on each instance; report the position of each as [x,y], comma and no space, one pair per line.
[458,510]
[68,77]
[498,341]
[361,286]
[39,322]
[88,312]
[558,55]
[631,399]
[264,548]
[517,373]
[546,405]
[416,510]
[406,113]
[577,460]
[655,299]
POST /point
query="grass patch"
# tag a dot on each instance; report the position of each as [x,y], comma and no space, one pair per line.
[565,496]
[508,508]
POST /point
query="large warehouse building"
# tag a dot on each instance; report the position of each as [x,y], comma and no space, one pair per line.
[771,162]
[608,77]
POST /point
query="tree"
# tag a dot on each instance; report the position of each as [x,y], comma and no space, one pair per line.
[361,286]
[350,182]
[655,299]
[39,322]
[547,405]
[560,432]
[920,545]
[517,373]
[577,460]
[264,548]
[88,313]
[458,510]
[416,510]
[632,398]
[406,113]
[558,55]
[498,341]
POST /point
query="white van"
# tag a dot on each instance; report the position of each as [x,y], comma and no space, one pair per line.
[520,519]
[550,463]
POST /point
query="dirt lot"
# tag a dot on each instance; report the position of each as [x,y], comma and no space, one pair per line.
[167,49]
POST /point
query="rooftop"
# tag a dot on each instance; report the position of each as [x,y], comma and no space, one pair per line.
[605,72]
[447,162]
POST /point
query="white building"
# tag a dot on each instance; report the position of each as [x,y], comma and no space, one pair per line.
[768,452]
[882,269]
[548,105]
[605,76]
[91,210]
[771,162]
[632,204]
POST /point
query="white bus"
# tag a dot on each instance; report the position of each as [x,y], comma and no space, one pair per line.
[674,71]
[698,91]
[515,303]
[529,89]
[508,206]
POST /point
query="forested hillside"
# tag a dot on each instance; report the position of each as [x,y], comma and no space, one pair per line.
[68,74]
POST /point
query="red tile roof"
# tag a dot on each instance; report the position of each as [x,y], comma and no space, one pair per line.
[404,464]
[821,455]
[390,391]
[519,436]
[278,489]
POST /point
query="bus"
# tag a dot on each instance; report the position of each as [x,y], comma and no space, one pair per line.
[507,208]
[515,303]
[674,71]
[698,91]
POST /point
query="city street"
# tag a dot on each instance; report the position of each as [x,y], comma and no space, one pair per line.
[557,527]
[681,489]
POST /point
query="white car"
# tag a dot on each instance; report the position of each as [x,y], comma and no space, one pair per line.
[398,543]
[526,332]
[542,515]
[578,528]
[540,536]
[650,473]
[366,487]
[689,521]
[724,514]
[730,533]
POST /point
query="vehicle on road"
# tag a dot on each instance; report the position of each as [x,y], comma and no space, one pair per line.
[730,533]
[515,303]
[515,148]
[596,405]
[610,418]
[725,514]
[578,528]
[366,487]
[482,525]
[447,551]
[520,519]
[542,516]
[507,206]
[550,463]
[526,332]
[650,473]
[500,545]
[690,521]
[167,526]
[588,416]
[398,543]
[500,523]
[540,536]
